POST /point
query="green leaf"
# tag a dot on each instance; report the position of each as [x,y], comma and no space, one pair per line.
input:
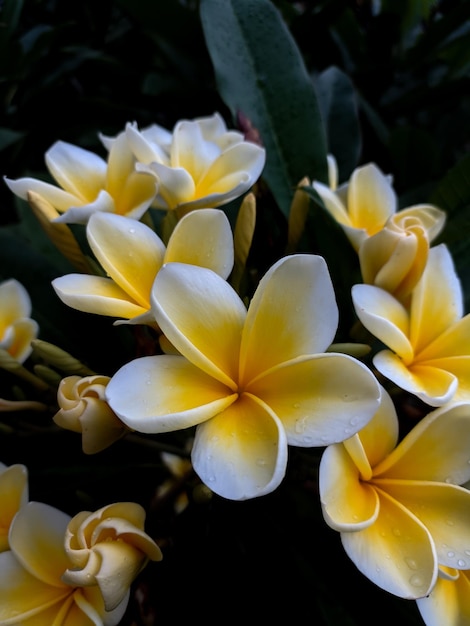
[452,195]
[338,103]
[261,75]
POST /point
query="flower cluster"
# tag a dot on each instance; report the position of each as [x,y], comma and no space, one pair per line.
[248,365]
[60,570]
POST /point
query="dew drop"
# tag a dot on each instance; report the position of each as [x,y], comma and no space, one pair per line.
[300,425]
[211,479]
[261,462]
[411,563]
[296,405]
[416,580]
[467,552]
[461,563]
[132,230]
[396,532]
[450,554]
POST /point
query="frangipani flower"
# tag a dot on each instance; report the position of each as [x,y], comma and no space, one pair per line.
[132,254]
[429,344]
[449,601]
[17,329]
[395,257]
[32,592]
[251,381]
[88,184]
[399,508]
[109,548]
[200,164]
[13,495]
[83,409]
[363,205]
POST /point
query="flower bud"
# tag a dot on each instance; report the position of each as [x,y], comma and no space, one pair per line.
[83,409]
[395,257]
[108,548]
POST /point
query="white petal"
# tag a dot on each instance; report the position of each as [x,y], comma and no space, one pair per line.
[130,252]
[242,452]
[81,214]
[383,316]
[37,538]
[61,200]
[78,171]
[158,394]
[207,329]
[95,294]
[292,313]
[203,238]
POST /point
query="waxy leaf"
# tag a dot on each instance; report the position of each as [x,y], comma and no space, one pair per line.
[262,79]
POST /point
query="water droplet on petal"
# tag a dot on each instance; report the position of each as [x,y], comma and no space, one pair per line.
[416,580]
[461,563]
[411,563]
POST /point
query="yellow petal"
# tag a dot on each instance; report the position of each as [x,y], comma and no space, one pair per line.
[58,198]
[396,552]
[448,603]
[78,171]
[242,452]
[348,504]
[434,449]
[371,198]
[94,294]
[380,435]
[88,605]
[175,185]
[165,393]
[13,495]
[16,302]
[17,340]
[237,167]
[292,313]
[37,540]
[454,342]
[383,316]
[203,238]
[431,316]
[321,399]
[431,217]
[24,597]
[130,253]
[444,509]
[207,329]
[432,385]
[393,260]
[332,203]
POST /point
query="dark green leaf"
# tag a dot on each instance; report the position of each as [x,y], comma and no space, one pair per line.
[453,195]
[338,103]
[261,75]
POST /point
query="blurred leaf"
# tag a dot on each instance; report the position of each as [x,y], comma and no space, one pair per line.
[414,156]
[9,137]
[261,75]
[338,104]
[10,11]
[452,195]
